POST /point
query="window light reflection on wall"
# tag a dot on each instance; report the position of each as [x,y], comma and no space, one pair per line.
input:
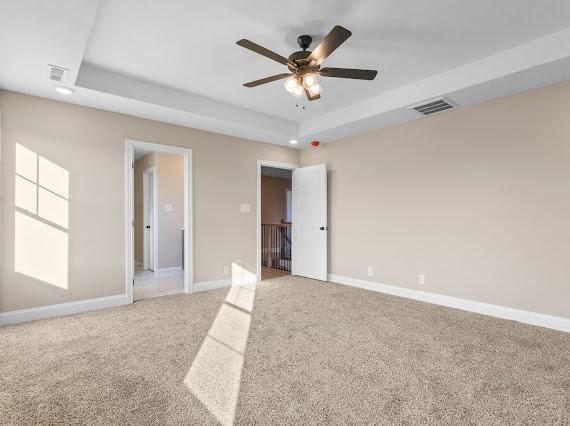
[41,218]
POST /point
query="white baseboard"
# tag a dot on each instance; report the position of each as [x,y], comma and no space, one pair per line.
[168,271]
[15,317]
[212,285]
[227,282]
[527,317]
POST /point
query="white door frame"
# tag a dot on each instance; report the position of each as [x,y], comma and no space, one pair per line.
[152,236]
[129,212]
[276,165]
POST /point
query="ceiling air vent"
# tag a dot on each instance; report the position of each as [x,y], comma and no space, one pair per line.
[434,106]
[56,73]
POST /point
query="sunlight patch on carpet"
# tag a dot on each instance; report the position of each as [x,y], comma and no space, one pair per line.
[214,376]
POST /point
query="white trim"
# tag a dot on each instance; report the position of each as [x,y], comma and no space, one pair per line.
[168,271]
[129,212]
[69,308]
[129,221]
[212,285]
[276,165]
[527,317]
[155,214]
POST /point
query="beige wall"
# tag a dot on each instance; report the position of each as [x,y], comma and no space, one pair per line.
[90,145]
[476,199]
[170,173]
[274,199]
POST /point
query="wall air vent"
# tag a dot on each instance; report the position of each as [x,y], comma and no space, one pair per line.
[56,73]
[434,106]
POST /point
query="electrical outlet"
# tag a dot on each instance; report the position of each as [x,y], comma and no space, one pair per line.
[226,269]
[421,279]
[370,271]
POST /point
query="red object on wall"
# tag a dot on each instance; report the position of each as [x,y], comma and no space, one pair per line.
[315,143]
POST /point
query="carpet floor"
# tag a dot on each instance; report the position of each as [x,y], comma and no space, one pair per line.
[284,351]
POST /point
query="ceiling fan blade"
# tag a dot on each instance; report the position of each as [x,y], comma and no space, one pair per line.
[267,80]
[332,40]
[312,98]
[348,73]
[263,51]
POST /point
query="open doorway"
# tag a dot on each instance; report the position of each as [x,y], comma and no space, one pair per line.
[158,223]
[159,215]
[292,221]
[276,222]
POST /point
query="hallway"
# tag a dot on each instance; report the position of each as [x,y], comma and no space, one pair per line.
[149,284]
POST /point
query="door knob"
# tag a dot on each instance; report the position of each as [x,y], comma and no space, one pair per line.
[148,227]
[322,228]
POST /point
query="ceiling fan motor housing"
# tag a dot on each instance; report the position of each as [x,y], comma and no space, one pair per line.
[299,58]
[304,41]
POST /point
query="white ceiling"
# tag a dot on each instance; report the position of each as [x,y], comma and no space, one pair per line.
[177,61]
[193,49]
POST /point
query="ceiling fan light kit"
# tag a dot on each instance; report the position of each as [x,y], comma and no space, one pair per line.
[305,66]
[315,89]
[290,84]
[309,80]
[298,91]
[296,85]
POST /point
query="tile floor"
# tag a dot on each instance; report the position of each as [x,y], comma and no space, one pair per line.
[148,284]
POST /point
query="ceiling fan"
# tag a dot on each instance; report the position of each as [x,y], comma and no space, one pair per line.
[305,66]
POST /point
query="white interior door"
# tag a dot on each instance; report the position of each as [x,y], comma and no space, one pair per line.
[309,224]
[148,218]
[150,223]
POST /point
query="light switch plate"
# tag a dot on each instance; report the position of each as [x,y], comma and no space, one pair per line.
[168,207]
[245,208]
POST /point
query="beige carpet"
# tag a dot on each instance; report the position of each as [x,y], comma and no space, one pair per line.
[301,352]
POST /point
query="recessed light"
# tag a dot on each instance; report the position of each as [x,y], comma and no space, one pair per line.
[64,90]
[293,141]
